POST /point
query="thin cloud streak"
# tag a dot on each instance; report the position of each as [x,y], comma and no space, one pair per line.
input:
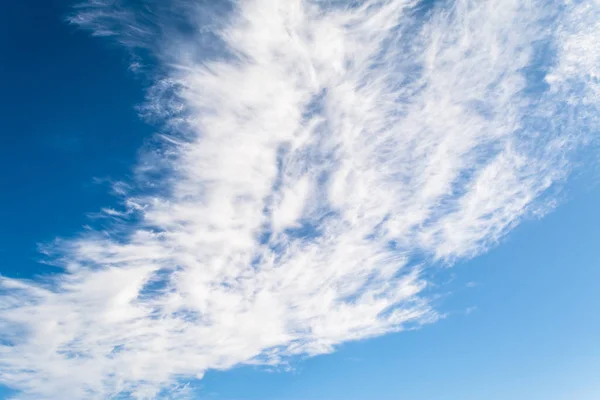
[311,171]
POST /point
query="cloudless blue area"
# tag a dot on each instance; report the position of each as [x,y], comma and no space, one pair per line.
[67,110]
[67,117]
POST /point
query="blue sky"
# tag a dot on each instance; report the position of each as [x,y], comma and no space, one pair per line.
[66,104]
[427,231]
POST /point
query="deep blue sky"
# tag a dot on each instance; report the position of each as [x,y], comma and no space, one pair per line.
[68,117]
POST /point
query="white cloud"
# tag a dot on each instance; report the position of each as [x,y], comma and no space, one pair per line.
[579,52]
[307,163]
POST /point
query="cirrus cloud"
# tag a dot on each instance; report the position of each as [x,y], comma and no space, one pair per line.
[317,158]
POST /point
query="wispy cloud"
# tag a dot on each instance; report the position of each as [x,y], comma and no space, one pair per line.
[314,165]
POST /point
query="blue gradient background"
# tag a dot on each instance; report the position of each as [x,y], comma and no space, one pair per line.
[68,121]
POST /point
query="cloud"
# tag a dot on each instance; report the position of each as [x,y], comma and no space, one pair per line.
[579,53]
[316,158]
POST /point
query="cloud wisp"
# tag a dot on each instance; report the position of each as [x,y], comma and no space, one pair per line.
[317,158]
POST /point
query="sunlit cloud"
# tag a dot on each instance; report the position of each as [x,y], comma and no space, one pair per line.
[316,159]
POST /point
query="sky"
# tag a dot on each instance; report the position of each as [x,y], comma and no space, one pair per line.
[299,200]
